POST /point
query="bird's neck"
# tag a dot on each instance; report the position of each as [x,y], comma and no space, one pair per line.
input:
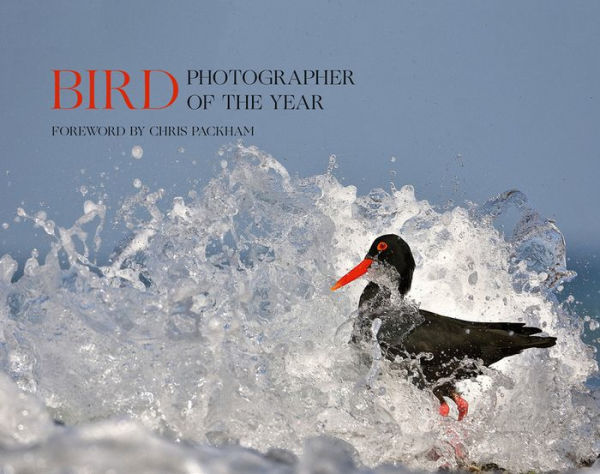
[374,297]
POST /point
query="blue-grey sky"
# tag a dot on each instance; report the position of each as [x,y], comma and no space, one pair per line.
[489,95]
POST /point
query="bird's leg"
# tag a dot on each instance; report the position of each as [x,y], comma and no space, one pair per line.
[448,390]
[461,404]
[444,408]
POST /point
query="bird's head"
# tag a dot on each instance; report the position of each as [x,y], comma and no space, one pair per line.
[393,260]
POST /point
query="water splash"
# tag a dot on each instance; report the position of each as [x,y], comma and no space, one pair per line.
[214,323]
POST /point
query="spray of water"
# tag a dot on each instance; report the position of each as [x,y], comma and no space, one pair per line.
[214,324]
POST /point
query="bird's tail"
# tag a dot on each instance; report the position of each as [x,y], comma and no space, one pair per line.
[525,334]
[541,342]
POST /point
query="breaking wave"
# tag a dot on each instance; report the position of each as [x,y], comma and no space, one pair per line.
[211,336]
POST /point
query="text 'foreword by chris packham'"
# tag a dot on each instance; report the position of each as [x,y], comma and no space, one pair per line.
[153,131]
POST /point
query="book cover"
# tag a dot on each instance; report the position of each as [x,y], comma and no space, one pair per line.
[183,184]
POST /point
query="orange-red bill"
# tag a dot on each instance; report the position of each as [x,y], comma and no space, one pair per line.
[353,274]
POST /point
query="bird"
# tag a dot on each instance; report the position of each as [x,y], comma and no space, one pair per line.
[447,349]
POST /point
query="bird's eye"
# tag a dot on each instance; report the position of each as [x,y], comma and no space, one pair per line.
[381,246]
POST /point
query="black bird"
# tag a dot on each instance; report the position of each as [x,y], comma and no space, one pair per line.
[446,349]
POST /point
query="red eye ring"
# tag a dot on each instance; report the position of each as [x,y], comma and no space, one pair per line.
[381,246]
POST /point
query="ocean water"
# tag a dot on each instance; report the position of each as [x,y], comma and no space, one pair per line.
[210,341]
[583,296]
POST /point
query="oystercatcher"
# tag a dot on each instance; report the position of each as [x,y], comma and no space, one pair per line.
[446,349]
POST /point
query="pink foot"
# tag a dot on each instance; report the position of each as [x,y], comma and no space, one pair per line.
[462,405]
[444,409]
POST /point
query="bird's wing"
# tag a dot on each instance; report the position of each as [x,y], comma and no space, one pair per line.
[456,338]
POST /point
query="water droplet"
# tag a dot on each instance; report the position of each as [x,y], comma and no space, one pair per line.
[137,183]
[223,164]
[5,225]
[137,152]
[473,278]
[332,164]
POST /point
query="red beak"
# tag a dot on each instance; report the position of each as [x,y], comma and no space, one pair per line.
[353,274]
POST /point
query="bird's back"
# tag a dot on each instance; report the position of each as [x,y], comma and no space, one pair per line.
[453,347]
